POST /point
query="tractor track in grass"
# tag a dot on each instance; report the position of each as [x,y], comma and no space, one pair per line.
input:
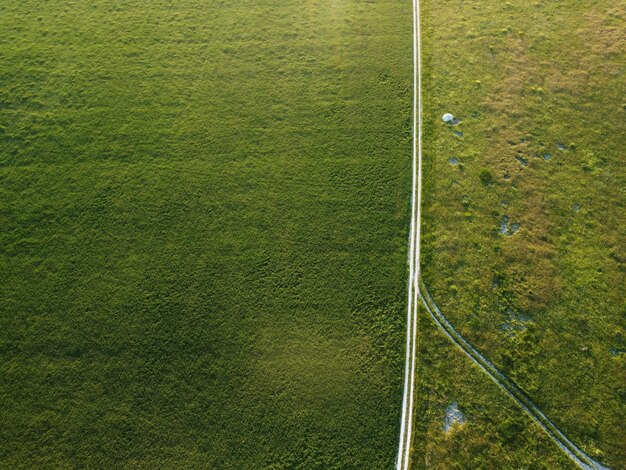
[417,292]
[404,446]
[578,456]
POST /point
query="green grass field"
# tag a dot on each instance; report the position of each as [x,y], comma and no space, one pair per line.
[496,434]
[204,211]
[546,303]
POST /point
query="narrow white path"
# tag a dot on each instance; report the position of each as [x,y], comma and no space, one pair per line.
[579,457]
[404,447]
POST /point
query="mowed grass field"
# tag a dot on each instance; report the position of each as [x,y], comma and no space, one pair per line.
[204,215]
[524,239]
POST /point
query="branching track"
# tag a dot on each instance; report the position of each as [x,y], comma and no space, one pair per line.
[417,291]
[571,450]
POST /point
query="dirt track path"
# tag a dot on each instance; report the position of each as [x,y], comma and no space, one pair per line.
[417,292]
[579,457]
[404,447]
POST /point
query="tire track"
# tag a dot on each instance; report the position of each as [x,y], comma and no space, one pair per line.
[417,292]
[578,456]
[404,446]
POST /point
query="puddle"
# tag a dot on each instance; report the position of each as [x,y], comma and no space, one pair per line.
[520,317]
[576,207]
[510,328]
[453,416]
[516,322]
[453,161]
[547,156]
[506,228]
[504,225]
[523,161]
[458,134]
[561,146]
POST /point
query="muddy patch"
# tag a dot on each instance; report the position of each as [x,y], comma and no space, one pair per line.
[504,225]
[523,161]
[453,417]
[507,228]
[515,322]
[511,329]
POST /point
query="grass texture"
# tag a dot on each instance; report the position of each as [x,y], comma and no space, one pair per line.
[203,211]
[539,88]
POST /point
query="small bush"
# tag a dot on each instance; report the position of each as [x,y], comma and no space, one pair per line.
[486,177]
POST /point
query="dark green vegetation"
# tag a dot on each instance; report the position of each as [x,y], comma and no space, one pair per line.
[539,87]
[203,212]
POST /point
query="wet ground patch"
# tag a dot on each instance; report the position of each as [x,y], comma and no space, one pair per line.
[522,160]
[508,228]
[453,417]
[515,322]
